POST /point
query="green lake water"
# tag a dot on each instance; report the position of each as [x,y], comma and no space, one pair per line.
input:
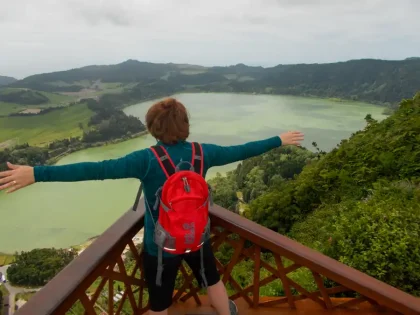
[64,214]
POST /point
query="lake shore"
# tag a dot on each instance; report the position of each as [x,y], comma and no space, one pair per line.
[137,239]
[310,96]
[55,159]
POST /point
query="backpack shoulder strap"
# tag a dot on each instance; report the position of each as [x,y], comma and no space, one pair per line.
[197,158]
[164,160]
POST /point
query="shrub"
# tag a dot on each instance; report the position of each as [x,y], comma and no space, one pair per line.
[379,235]
[388,150]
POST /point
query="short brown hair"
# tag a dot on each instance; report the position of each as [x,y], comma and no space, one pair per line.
[168,121]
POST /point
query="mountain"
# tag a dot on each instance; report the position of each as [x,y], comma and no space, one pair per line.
[369,80]
[376,81]
[6,80]
[70,80]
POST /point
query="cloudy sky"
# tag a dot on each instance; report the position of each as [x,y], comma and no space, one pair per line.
[49,35]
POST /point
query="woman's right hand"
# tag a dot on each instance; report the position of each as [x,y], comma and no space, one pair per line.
[17,177]
[292,138]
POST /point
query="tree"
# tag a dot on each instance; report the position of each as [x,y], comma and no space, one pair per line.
[24,155]
[254,185]
[224,191]
[378,236]
[38,266]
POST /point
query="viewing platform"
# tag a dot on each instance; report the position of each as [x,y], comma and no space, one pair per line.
[98,281]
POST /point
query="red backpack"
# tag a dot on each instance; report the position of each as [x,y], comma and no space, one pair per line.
[183,225]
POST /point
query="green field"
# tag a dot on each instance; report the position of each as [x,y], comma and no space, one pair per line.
[192,71]
[63,99]
[113,88]
[6,259]
[84,83]
[41,129]
[54,97]
[58,99]
[87,84]
[8,108]
[93,88]
[11,108]
[54,100]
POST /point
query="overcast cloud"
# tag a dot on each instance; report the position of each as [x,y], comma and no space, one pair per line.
[49,35]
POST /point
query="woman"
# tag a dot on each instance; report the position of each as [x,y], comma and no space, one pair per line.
[168,122]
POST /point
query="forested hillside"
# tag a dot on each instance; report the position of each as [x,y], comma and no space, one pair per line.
[23,97]
[70,80]
[368,79]
[359,203]
[6,80]
[376,81]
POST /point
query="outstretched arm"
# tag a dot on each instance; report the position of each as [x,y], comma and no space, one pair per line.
[222,155]
[134,165]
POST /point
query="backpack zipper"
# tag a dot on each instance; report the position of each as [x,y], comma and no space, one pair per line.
[186,185]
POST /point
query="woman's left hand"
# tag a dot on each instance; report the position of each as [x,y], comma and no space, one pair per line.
[17,177]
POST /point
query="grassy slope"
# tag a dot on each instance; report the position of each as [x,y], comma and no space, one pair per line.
[84,83]
[41,129]
[54,100]
[88,91]
[113,88]
[9,108]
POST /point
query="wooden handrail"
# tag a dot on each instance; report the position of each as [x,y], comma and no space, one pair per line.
[100,258]
[56,292]
[349,277]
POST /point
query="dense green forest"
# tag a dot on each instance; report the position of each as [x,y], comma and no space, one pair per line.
[376,81]
[359,203]
[6,80]
[23,155]
[109,122]
[38,266]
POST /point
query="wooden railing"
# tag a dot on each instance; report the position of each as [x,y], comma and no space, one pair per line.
[100,281]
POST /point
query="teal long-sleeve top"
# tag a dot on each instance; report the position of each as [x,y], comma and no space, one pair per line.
[143,165]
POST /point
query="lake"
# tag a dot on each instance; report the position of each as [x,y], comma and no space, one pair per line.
[65,214]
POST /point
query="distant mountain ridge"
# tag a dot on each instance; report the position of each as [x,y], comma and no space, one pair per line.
[4,80]
[372,80]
